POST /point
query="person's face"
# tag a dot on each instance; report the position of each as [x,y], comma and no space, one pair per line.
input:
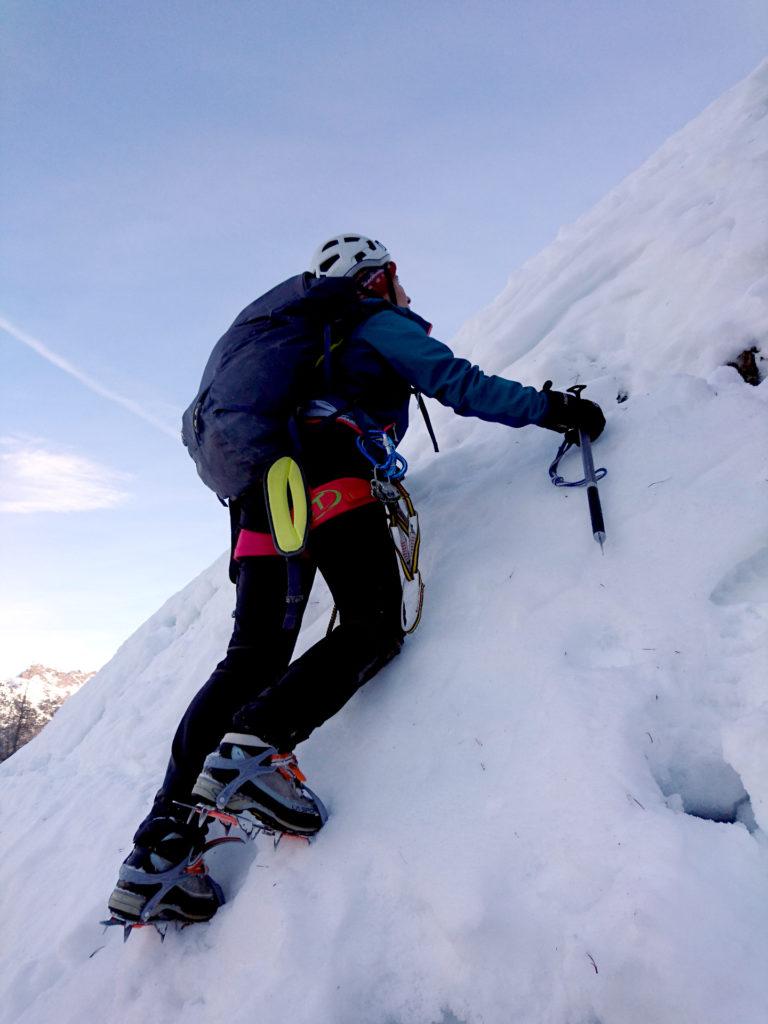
[378,284]
[401,299]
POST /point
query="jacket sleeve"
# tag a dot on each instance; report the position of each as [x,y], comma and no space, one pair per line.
[432,368]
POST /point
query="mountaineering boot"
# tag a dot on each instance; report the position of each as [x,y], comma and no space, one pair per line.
[164,878]
[244,774]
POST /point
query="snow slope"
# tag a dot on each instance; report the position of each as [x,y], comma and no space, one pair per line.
[514,833]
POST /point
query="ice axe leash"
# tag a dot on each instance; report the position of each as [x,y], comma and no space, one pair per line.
[591,475]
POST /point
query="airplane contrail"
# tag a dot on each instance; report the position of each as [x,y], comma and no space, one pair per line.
[85,379]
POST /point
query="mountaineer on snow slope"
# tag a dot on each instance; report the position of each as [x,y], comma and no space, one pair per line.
[302,401]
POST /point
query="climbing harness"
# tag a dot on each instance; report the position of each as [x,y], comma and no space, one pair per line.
[591,475]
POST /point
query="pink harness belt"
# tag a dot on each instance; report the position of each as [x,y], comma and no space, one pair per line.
[326,502]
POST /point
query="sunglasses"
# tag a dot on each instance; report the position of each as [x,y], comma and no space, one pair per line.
[378,279]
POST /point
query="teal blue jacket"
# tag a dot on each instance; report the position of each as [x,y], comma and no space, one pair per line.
[391,351]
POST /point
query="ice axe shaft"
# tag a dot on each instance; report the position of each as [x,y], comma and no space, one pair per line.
[593,495]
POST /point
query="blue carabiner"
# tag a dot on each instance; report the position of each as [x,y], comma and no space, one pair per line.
[394,465]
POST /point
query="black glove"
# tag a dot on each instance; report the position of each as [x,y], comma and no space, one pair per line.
[568,414]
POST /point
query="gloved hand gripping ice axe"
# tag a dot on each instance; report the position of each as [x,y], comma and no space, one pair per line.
[591,475]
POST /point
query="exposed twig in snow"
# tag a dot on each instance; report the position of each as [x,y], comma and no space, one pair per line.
[660,481]
[592,961]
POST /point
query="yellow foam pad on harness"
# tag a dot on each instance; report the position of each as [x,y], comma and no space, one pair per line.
[287,505]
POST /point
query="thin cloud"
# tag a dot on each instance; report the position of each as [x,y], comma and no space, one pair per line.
[37,478]
[85,379]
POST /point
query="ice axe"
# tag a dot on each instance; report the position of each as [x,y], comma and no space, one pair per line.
[591,475]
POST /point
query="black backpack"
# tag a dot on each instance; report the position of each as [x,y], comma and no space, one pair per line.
[243,416]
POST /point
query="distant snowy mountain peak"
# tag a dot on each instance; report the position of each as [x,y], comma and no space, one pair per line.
[41,682]
[55,676]
[29,700]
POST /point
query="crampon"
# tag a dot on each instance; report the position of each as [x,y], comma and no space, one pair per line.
[155,912]
[147,900]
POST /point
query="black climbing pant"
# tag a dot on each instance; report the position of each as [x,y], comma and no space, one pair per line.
[256,689]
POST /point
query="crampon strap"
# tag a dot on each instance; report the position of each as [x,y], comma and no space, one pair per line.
[265,764]
[248,768]
[165,880]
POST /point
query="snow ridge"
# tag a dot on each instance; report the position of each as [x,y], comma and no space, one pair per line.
[668,273]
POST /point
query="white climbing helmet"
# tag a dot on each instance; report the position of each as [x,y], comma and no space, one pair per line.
[344,255]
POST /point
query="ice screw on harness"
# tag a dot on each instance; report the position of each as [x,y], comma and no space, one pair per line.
[591,475]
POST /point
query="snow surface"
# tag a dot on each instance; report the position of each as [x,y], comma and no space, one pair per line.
[513,833]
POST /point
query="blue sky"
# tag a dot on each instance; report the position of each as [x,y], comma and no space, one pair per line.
[167,162]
